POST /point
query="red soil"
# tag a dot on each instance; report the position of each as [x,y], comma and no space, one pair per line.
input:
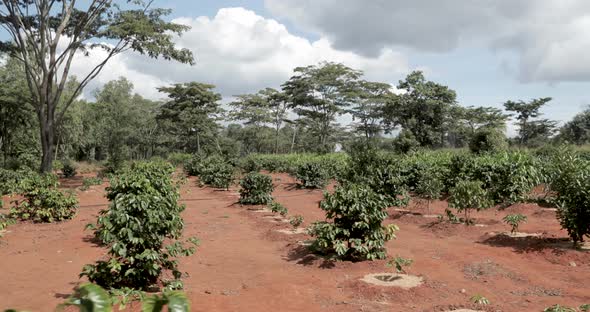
[243,264]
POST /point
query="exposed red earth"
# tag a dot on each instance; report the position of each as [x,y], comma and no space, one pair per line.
[244,264]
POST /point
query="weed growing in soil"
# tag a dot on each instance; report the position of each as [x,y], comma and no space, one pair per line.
[514,220]
[479,299]
[356,231]
[256,189]
[296,221]
[276,207]
[399,264]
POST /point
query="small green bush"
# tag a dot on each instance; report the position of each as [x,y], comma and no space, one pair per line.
[179,159]
[488,141]
[514,220]
[194,165]
[312,175]
[469,195]
[43,201]
[68,169]
[143,215]
[296,221]
[570,179]
[256,189]
[276,207]
[216,172]
[429,187]
[355,231]
[88,182]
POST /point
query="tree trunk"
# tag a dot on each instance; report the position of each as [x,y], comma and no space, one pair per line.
[47,137]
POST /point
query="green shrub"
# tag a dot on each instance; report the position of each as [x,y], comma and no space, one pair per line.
[68,169]
[399,263]
[355,231]
[143,214]
[194,165]
[570,179]
[278,208]
[405,142]
[514,220]
[488,141]
[429,187]
[42,201]
[10,180]
[469,195]
[88,182]
[312,175]
[382,173]
[216,172]
[256,189]
[296,221]
[179,159]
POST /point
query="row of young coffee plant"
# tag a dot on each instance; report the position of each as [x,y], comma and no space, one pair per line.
[141,228]
[213,170]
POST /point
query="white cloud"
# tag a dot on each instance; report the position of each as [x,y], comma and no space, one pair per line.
[239,52]
[544,40]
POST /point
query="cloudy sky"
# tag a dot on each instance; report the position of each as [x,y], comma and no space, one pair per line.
[489,51]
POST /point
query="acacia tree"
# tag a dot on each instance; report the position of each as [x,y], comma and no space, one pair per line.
[577,130]
[267,106]
[531,129]
[319,93]
[370,101]
[191,114]
[47,35]
[424,109]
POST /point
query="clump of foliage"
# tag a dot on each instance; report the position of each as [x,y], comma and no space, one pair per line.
[42,201]
[312,175]
[429,187]
[276,207]
[514,220]
[469,195]
[296,221]
[488,141]
[88,182]
[256,189]
[179,159]
[405,142]
[144,214]
[560,308]
[68,169]
[216,172]
[194,165]
[399,264]
[4,222]
[479,299]
[381,173]
[571,181]
[355,230]
[91,297]
[10,180]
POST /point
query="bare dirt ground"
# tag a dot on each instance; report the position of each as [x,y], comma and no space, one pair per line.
[244,264]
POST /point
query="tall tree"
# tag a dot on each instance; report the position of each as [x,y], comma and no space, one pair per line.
[46,36]
[16,113]
[320,93]
[525,111]
[370,101]
[577,131]
[267,106]
[424,109]
[191,114]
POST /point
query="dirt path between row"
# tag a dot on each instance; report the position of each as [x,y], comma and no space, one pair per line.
[244,264]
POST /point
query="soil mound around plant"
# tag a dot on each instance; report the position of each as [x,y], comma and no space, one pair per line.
[404,281]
